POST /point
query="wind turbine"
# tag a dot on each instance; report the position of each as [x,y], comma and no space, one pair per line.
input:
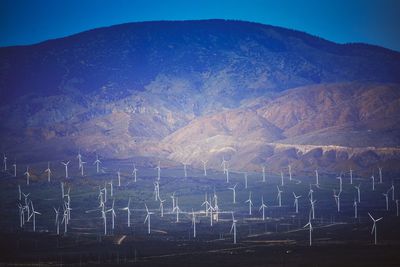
[48,171]
[5,162]
[311,193]
[227,174]
[79,157]
[113,215]
[27,174]
[65,220]
[33,214]
[250,203]
[19,192]
[386,195]
[148,216]
[309,225]
[111,188]
[156,190]
[194,224]
[312,202]
[177,210]
[392,189]
[223,164]
[57,221]
[397,207]
[82,164]
[204,167]
[62,189]
[245,180]
[380,175]
[161,206]
[351,176]
[103,215]
[279,196]
[119,177]
[66,168]
[358,192]
[97,163]
[340,183]
[128,209]
[355,209]
[373,183]
[290,172]
[206,204]
[184,169]
[296,202]
[337,199]
[316,177]
[263,174]
[134,172]
[233,228]
[15,169]
[374,226]
[263,207]
[282,183]
[158,171]
[173,200]
[234,192]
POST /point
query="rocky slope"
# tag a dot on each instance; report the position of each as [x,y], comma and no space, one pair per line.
[196,90]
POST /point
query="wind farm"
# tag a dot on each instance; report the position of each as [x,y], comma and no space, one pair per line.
[134,227]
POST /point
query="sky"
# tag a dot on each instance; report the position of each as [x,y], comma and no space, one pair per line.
[368,21]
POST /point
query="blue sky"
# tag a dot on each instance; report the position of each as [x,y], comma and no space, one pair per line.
[368,21]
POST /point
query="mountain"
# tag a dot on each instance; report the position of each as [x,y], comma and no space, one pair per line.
[185,90]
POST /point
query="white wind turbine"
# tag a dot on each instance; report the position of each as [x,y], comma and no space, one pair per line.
[134,172]
[185,169]
[66,168]
[309,224]
[65,220]
[206,204]
[263,174]
[337,199]
[15,169]
[223,164]
[205,167]
[128,209]
[392,189]
[279,196]
[158,171]
[104,217]
[79,157]
[194,224]
[312,203]
[62,189]
[177,210]
[82,164]
[119,177]
[397,207]
[311,193]
[282,182]
[48,171]
[355,209]
[373,183]
[211,209]
[296,202]
[316,177]
[111,188]
[250,203]
[173,200]
[374,226]
[113,215]
[386,195]
[340,183]
[380,175]
[21,215]
[233,228]
[351,176]
[148,216]
[97,163]
[227,174]
[358,192]
[156,190]
[57,221]
[245,180]
[234,192]
[33,214]
[5,162]
[290,172]
[161,206]
[19,193]
[27,174]
[263,207]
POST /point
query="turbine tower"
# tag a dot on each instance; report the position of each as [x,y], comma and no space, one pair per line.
[148,216]
[233,228]
[48,171]
[250,203]
[374,226]
[263,207]
[205,167]
[234,192]
[66,168]
[97,163]
[296,202]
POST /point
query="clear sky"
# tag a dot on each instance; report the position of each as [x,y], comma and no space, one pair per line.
[369,21]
